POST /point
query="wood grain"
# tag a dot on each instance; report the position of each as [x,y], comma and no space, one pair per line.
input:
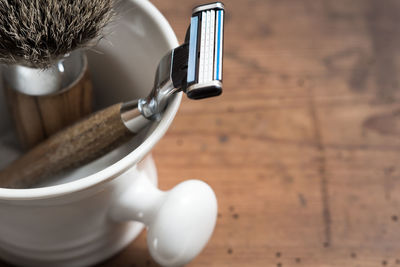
[38,117]
[78,144]
[303,147]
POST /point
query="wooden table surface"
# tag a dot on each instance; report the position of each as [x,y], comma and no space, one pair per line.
[303,147]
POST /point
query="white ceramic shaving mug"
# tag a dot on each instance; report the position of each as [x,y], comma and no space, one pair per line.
[93,212]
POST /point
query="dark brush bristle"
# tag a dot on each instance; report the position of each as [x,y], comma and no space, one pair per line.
[36,33]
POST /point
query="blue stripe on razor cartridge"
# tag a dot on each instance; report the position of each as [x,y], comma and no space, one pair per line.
[219,44]
[192,63]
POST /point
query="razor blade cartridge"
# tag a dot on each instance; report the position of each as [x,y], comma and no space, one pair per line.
[204,73]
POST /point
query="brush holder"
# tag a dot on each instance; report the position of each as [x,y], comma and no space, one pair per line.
[43,101]
[91,213]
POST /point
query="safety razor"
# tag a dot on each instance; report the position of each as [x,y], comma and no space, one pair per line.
[195,68]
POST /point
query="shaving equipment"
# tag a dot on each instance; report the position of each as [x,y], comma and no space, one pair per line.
[45,71]
[43,101]
[195,68]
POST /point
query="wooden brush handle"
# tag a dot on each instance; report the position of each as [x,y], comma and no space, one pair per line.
[78,144]
[38,117]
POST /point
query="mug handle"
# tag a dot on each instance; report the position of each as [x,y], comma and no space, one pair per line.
[179,221]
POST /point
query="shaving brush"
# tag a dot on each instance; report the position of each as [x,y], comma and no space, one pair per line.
[46,79]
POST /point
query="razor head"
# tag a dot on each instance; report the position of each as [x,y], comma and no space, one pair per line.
[204,63]
[195,67]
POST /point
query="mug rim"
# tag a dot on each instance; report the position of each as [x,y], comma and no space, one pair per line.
[116,169]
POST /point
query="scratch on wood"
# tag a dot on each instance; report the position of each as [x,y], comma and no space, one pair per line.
[302,200]
[360,69]
[389,182]
[326,213]
[385,46]
[385,124]
[299,143]
[247,62]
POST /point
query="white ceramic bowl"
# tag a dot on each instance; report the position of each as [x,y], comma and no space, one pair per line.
[91,213]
